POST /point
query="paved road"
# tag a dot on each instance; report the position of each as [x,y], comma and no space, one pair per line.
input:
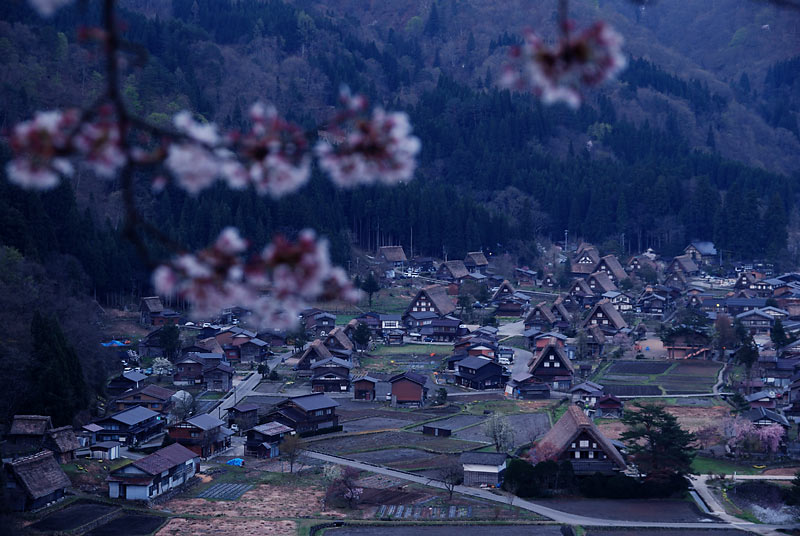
[511,330]
[240,390]
[555,515]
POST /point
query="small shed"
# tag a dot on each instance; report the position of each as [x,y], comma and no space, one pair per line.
[430,429]
[244,416]
[483,468]
[105,450]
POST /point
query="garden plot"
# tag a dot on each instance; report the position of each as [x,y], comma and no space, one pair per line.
[392,456]
[618,389]
[374,424]
[130,525]
[382,440]
[526,428]
[73,516]
[639,367]
[225,492]
[454,423]
[227,527]
[645,510]
[350,413]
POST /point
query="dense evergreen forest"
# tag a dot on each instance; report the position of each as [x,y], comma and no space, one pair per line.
[497,170]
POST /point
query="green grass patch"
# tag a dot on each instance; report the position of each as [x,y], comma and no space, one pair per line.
[703,466]
[504,407]
[212,395]
[518,341]
[413,350]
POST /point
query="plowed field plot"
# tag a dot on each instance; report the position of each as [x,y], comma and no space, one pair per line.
[638,367]
[391,456]
[225,492]
[646,510]
[393,496]
[130,525]
[632,390]
[380,440]
[411,512]
[353,414]
[526,427]
[453,423]
[73,516]
[374,423]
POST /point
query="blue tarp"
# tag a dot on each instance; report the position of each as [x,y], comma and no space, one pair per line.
[115,342]
[236,461]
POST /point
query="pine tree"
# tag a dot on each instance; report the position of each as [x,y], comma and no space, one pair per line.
[433,26]
[371,286]
[656,441]
[58,386]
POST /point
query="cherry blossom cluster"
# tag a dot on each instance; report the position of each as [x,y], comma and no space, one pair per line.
[45,144]
[275,285]
[741,431]
[557,74]
[364,149]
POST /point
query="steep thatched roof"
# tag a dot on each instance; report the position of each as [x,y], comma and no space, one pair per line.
[39,475]
[62,439]
[392,253]
[567,429]
[30,425]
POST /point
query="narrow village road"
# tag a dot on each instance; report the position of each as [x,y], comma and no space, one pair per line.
[556,515]
[240,390]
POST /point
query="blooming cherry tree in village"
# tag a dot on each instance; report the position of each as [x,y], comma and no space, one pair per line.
[357,146]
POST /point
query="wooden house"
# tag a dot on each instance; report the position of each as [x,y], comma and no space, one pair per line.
[540,317]
[580,289]
[549,281]
[609,407]
[524,386]
[364,387]
[575,438]
[745,281]
[430,299]
[586,394]
[585,260]
[27,434]
[684,264]
[756,321]
[612,268]
[408,389]
[149,308]
[330,375]
[264,440]
[306,413]
[551,365]
[338,343]
[63,443]
[131,426]
[637,263]
[316,351]
[393,256]
[319,323]
[188,371]
[483,468]
[124,382]
[149,477]
[452,271]
[149,396]
[445,329]
[505,290]
[35,481]
[478,372]
[243,416]
[604,314]
[218,377]
[476,261]
[204,434]
[701,252]
[600,283]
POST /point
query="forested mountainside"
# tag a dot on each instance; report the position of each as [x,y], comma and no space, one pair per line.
[697,139]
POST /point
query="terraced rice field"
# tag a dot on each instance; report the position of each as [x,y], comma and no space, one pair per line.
[634,378]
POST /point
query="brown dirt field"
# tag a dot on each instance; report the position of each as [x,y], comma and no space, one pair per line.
[227,527]
[264,501]
[693,419]
[690,418]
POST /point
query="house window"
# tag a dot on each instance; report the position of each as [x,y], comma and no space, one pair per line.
[577,454]
[591,454]
[584,444]
[556,364]
[546,364]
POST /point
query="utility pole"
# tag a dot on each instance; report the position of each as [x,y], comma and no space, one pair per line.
[566,235]
[411,253]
